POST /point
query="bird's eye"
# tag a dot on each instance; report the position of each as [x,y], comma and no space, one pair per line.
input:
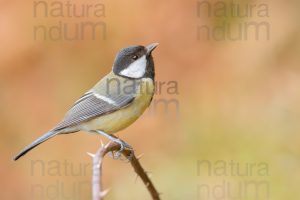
[134,57]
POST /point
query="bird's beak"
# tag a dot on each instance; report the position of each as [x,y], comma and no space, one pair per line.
[151,47]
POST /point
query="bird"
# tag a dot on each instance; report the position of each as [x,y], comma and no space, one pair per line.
[114,103]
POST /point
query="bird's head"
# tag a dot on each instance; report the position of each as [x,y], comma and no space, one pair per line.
[135,62]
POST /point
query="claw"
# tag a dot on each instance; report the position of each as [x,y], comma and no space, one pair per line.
[114,155]
[122,146]
[131,155]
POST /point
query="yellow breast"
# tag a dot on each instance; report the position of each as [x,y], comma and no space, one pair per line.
[124,117]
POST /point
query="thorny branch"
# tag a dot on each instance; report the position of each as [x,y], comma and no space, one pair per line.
[98,193]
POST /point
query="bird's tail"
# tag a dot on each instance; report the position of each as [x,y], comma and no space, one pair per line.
[38,141]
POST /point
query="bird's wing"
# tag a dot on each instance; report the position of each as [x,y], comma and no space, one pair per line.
[94,104]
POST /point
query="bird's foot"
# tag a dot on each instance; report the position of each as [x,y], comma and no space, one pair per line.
[123,146]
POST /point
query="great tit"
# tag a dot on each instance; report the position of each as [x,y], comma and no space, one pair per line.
[115,102]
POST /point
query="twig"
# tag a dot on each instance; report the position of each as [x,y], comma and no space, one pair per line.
[98,193]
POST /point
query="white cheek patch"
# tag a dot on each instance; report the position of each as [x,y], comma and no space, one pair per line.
[136,69]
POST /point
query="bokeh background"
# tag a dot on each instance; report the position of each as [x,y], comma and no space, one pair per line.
[238,100]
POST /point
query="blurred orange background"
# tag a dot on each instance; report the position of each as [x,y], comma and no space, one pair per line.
[238,100]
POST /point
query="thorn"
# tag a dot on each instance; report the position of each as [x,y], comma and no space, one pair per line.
[105,146]
[136,177]
[140,156]
[104,193]
[102,144]
[148,173]
[90,154]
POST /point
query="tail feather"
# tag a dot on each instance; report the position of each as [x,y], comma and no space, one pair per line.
[38,141]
